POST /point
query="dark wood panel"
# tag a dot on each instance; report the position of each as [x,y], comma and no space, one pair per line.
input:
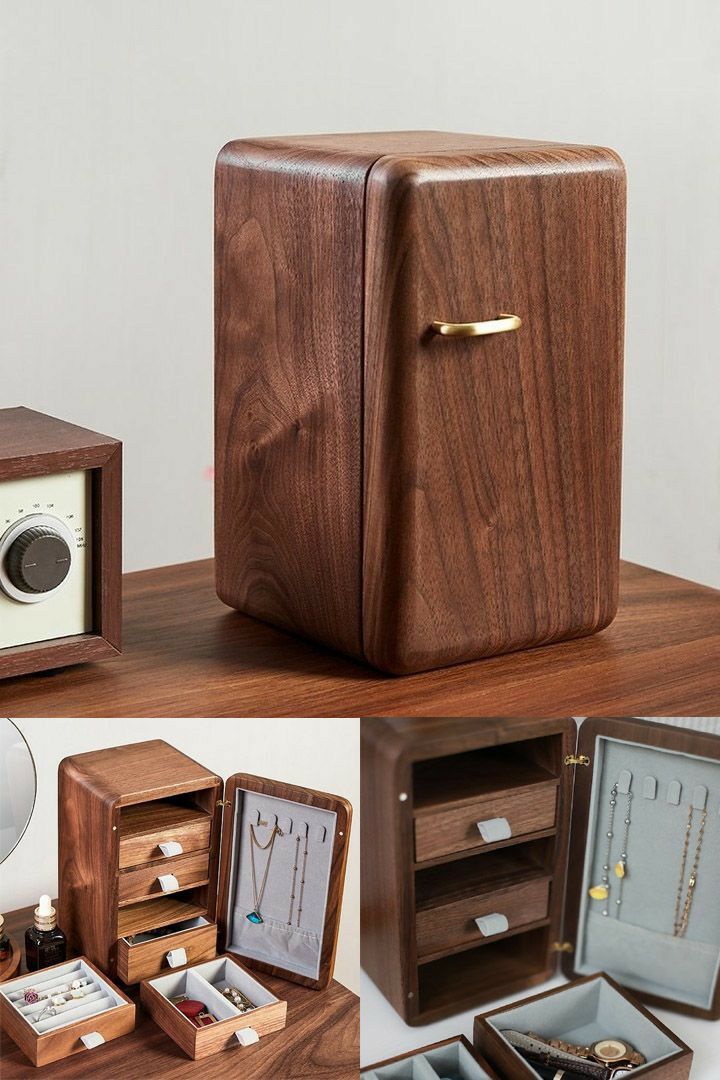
[492,464]
[288,386]
[321,1039]
[185,654]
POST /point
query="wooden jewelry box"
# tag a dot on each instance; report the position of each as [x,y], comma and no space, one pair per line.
[157,859]
[60,543]
[475,881]
[581,1013]
[84,1022]
[451,1057]
[418,391]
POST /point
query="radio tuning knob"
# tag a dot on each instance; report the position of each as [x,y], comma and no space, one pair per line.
[38,560]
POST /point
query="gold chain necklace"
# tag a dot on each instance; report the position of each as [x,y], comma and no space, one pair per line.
[254,916]
[682,917]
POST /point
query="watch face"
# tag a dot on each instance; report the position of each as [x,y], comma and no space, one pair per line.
[609,1050]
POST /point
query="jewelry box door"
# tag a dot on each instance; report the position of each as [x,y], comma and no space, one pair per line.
[654,932]
[299,834]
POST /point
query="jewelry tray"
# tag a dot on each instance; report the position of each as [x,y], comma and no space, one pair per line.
[638,948]
[204,982]
[453,1058]
[102,1013]
[581,1013]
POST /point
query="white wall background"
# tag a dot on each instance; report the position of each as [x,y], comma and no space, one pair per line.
[322,754]
[114,111]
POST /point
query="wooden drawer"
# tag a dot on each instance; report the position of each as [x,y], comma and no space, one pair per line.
[453,924]
[202,982]
[145,826]
[144,881]
[44,1046]
[145,959]
[443,832]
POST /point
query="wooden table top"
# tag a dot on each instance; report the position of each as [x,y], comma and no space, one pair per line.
[322,1038]
[186,654]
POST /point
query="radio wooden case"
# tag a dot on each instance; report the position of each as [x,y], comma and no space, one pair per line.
[117,806]
[68,480]
[105,1014]
[398,476]
[475,879]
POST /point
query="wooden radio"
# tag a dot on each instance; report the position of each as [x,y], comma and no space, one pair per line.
[494,848]
[419,342]
[60,543]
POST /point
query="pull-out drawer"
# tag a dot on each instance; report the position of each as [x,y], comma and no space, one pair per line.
[143,828]
[182,872]
[146,956]
[453,924]
[443,832]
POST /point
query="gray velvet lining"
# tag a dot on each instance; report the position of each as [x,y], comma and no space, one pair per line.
[639,948]
[584,1013]
[451,1062]
[275,941]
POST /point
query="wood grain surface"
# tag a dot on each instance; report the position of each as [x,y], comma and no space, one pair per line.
[288,386]
[145,959]
[401,899]
[33,444]
[186,654]
[215,1038]
[505,1060]
[492,464]
[64,1042]
[141,882]
[321,1039]
[145,826]
[528,810]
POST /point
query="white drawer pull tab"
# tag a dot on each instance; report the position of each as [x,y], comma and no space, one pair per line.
[492,924]
[247,1036]
[93,1038]
[494,829]
[168,883]
[171,847]
[176,958]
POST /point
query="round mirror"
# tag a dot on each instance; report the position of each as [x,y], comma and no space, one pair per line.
[18,786]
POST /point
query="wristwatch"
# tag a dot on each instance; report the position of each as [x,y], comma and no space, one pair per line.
[606,1051]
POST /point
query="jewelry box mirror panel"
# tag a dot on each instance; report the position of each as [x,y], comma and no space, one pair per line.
[61,995]
[450,1061]
[281,861]
[649,912]
[582,1016]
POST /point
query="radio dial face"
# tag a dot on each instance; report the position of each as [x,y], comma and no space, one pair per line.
[36,555]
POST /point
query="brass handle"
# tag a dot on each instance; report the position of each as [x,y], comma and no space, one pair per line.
[503,323]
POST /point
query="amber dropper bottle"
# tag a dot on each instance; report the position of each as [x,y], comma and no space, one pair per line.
[45,943]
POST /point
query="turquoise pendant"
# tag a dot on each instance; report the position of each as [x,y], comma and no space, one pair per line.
[255,917]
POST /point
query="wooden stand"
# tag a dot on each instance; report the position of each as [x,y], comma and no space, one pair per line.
[9,967]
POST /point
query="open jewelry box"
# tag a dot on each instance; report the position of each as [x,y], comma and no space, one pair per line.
[475,883]
[161,863]
[92,1011]
[451,1059]
[582,1013]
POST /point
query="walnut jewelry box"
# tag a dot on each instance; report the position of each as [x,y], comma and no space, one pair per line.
[162,865]
[484,863]
[419,347]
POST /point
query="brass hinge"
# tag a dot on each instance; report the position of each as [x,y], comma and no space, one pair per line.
[562,946]
[577,759]
[223,802]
